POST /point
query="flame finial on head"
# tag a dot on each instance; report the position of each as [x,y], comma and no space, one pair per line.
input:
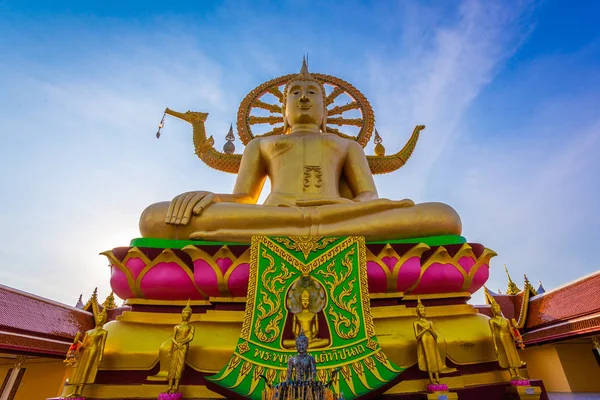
[102,316]
[187,307]
[304,68]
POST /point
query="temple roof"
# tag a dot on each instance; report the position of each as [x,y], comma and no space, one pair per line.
[565,312]
[577,298]
[34,324]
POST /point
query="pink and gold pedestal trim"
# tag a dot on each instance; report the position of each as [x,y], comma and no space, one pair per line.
[212,271]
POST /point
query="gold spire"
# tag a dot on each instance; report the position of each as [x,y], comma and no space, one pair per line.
[512,287]
[109,303]
[93,300]
[304,68]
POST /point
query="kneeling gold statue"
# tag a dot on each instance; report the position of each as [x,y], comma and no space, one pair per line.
[321,184]
[431,347]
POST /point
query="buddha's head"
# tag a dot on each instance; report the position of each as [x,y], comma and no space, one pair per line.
[101,318]
[186,313]
[496,310]
[421,309]
[305,299]
[301,343]
[304,101]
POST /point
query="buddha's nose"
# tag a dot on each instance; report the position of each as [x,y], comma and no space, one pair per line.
[304,98]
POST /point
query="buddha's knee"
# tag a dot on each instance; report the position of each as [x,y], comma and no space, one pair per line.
[152,220]
[443,217]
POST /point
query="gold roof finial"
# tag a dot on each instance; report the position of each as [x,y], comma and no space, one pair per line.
[540,288]
[110,303]
[512,287]
[80,302]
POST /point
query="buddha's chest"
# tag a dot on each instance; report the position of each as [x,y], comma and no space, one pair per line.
[315,150]
[302,364]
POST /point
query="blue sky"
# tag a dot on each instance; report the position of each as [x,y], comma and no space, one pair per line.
[509,92]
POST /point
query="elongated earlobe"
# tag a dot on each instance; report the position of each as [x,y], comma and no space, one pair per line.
[286,126]
[324,123]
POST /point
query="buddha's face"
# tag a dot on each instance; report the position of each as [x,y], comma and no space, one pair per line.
[304,103]
[421,310]
[302,345]
[305,299]
[185,315]
[101,320]
[496,310]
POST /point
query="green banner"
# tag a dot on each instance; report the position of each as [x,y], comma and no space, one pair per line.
[317,285]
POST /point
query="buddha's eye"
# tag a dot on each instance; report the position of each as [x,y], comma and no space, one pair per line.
[296,92]
[312,92]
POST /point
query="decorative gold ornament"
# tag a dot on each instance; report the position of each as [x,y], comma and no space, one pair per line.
[379,149]
[229,147]
[346,324]
[271,305]
[512,288]
[305,244]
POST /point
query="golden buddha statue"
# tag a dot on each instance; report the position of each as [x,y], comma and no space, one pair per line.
[431,347]
[90,349]
[306,320]
[173,352]
[321,184]
[504,342]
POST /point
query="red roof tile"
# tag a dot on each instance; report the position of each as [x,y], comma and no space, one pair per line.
[575,299]
[25,313]
[586,325]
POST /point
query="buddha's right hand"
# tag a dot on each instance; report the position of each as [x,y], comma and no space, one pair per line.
[182,206]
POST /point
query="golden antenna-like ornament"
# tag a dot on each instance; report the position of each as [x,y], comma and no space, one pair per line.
[512,288]
[229,147]
[379,149]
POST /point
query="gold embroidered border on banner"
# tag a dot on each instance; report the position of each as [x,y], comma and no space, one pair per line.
[317,262]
